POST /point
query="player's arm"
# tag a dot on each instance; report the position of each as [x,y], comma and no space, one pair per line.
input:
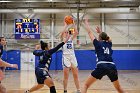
[64,30]
[5,64]
[98,30]
[89,31]
[38,51]
[53,50]
[75,33]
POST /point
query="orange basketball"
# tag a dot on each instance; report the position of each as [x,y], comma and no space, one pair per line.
[69,20]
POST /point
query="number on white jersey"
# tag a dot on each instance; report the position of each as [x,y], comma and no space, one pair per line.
[69,46]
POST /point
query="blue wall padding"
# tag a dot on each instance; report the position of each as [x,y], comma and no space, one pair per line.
[124,59]
[13,57]
[127,59]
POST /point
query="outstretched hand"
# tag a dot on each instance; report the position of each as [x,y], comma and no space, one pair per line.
[15,66]
[65,24]
[86,21]
[98,29]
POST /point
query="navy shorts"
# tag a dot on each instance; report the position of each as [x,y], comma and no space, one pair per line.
[105,69]
[41,75]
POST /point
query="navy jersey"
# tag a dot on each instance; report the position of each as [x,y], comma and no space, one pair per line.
[45,56]
[1,50]
[103,50]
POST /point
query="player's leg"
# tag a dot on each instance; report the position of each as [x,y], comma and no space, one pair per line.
[66,68]
[113,75]
[98,73]
[40,80]
[118,87]
[50,84]
[34,88]
[65,78]
[2,88]
[1,75]
[74,69]
[75,76]
[90,80]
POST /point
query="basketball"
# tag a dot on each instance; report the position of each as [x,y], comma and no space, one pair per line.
[69,20]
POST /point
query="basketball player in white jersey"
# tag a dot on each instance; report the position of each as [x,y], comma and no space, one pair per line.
[69,61]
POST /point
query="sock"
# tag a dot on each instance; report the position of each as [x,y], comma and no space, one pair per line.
[52,89]
[78,90]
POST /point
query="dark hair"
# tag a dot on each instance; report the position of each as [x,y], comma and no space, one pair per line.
[1,38]
[43,45]
[104,36]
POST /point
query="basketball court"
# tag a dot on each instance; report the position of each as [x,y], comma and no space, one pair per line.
[18,81]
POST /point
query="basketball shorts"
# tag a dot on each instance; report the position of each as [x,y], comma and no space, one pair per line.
[69,60]
[105,69]
[41,75]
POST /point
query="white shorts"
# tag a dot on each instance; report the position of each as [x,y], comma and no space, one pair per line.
[69,60]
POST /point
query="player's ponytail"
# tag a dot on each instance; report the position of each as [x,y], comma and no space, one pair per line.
[107,38]
[43,45]
[104,36]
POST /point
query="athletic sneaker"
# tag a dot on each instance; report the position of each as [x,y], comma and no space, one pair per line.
[78,91]
[65,91]
[27,91]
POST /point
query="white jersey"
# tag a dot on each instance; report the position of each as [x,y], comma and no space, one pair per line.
[68,48]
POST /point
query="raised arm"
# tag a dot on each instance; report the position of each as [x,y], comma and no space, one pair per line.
[98,30]
[53,50]
[75,33]
[89,30]
[64,30]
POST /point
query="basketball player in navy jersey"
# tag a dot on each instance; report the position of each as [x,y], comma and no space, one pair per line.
[4,64]
[41,71]
[69,60]
[105,64]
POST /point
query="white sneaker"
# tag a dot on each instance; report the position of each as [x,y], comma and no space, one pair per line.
[78,91]
[27,91]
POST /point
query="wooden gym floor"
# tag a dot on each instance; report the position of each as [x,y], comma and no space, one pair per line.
[18,81]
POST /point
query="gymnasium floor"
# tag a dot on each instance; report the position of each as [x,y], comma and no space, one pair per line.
[18,81]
